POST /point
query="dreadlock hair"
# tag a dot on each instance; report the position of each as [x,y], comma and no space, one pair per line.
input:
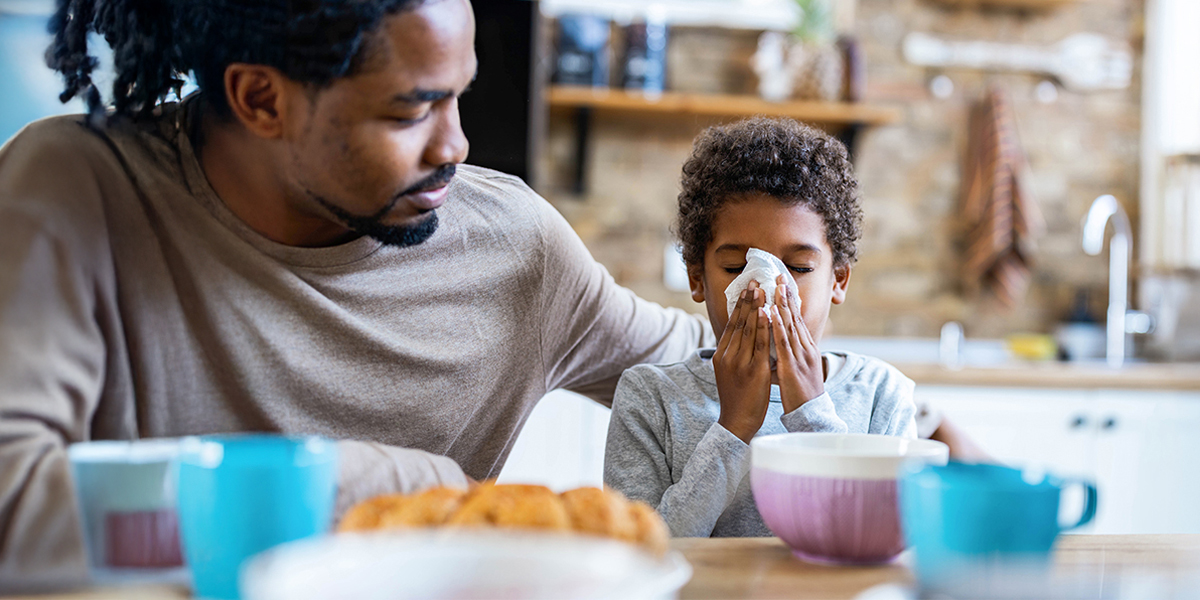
[156,43]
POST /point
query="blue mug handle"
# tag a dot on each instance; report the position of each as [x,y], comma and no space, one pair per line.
[1089,503]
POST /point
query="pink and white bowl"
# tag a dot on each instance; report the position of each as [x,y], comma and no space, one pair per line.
[831,496]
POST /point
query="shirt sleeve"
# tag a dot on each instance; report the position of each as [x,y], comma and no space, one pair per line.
[636,463]
[594,329]
[52,355]
[816,415]
[894,398]
[904,410]
[368,469]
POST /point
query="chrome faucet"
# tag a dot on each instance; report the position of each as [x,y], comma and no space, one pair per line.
[1120,320]
[950,345]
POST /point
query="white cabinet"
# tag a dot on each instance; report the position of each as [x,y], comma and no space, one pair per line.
[1142,448]
[1151,456]
[561,445]
[1049,428]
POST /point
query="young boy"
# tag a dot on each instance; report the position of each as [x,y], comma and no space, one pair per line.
[679,435]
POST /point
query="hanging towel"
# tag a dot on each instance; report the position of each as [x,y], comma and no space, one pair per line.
[999,209]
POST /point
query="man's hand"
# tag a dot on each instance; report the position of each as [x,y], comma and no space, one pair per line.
[742,366]
[798,361]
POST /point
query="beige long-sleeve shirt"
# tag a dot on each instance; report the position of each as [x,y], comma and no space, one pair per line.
[133,303]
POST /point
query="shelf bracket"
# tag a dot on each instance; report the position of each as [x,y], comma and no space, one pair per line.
[849,137]
[583,133]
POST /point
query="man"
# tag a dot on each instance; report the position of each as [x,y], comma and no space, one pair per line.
[293,249]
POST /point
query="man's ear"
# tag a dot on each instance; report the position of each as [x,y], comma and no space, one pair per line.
[258,97]
[696,281]
[841,280]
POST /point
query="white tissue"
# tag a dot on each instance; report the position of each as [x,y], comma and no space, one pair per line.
[763,267]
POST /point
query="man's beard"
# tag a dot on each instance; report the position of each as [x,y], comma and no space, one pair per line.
[393,235]
[400,236]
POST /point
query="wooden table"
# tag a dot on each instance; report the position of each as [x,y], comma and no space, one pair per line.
[764,568]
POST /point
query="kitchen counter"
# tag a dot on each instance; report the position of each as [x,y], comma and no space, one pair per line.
[764,568]
[1137,376]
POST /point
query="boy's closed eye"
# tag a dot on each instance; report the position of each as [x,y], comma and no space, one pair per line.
[795,269]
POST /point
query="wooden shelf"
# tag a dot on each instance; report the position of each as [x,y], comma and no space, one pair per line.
[1010,4]
[606,99]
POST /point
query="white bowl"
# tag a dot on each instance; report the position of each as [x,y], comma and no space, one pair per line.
[842,455]
[832,497]
[461,564]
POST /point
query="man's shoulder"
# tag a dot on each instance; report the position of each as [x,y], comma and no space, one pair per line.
[482,188]
[63,137]
[484,176]
[55,172]
[66,146]
[500,205]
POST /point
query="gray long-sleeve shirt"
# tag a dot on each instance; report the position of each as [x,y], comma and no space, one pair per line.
[666,448]
[134,303]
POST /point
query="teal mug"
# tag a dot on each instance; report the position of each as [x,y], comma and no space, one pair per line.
[242,494]
[963,518]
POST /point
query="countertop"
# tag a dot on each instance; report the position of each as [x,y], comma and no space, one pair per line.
[764,568]
[1136,376]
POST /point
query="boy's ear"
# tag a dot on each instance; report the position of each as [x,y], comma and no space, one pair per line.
[841,280]
[696,282]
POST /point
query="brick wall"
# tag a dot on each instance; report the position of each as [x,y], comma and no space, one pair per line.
[906,282]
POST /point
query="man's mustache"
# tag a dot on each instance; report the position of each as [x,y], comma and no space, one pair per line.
[439,178]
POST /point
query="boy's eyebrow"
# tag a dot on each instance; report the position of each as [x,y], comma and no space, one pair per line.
[803,248]
[742,248]
[727,247]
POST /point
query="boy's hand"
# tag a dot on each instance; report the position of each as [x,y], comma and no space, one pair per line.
[798,361]
[742,366]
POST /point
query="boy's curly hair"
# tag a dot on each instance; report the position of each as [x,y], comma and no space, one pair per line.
[794,163]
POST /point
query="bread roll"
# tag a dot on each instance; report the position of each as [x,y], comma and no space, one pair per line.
[366,515]
[590,511]
[598,512]
[425,509]
[527,506]
[652,531]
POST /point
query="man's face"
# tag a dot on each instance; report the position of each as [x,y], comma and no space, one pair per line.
[375,151]
[794,233]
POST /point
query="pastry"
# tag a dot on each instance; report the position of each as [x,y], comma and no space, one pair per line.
[595,511]
[652,532]
[589,511]
[366,515]
[528,506]
[425,509]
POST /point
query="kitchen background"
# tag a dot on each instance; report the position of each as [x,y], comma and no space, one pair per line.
[908,281]
[1104,97]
